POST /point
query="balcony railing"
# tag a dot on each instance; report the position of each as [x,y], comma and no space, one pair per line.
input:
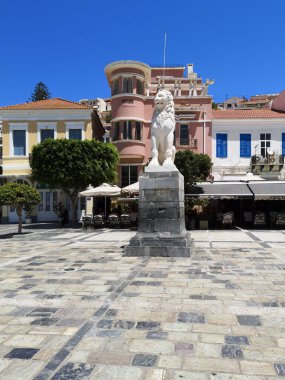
[269,160]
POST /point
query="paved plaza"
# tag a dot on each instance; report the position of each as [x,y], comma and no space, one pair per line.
[72,307]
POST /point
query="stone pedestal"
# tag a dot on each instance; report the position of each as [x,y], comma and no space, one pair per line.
[161,228]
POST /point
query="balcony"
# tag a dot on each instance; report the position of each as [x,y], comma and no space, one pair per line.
[130,148]
[271,164]
[190,143]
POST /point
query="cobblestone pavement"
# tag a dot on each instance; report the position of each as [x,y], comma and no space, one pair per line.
[72,307]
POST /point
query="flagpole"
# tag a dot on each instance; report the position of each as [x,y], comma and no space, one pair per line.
[164,53]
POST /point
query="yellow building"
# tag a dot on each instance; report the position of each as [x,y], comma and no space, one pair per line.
[27,124]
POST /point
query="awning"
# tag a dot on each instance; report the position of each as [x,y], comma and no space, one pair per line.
[268,190]
[221,190]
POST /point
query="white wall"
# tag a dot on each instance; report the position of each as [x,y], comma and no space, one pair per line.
[233,128]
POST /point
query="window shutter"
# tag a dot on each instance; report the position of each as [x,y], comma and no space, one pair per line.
[245,145]
[283,144]
[221,145]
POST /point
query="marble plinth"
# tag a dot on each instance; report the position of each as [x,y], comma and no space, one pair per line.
[161,219]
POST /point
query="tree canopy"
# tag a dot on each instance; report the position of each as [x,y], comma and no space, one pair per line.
[19,196]
[40,92]
[195,167]
[72,165]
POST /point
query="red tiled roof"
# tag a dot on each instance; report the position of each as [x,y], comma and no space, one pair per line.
[47,104]
[247,114]
[279,102]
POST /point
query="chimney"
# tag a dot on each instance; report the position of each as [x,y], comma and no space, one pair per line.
[190,72]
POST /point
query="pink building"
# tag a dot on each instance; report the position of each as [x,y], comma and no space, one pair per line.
[133,88]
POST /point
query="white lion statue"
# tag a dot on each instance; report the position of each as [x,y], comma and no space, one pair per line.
[162,130]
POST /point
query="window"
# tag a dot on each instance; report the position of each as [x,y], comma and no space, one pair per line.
[116,135]
[128,85]
[184,135]
[48,194]
[283,144]
[75,134]
[221,145]
[129,175]
[115,87]
[265,142]
[138,131]
[127,131]
[41,204]
[19,142]
[54,200]
[245,145]
[139,87]
[82,203]
[49,201]
[47,134]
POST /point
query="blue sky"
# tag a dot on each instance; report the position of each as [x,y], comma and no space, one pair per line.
[67,43]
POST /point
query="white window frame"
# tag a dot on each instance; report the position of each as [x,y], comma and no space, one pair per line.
[75,125]
[265,133]
[18,127]
[48,125]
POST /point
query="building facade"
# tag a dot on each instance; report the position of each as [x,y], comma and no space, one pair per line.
[25,125]
[248,141]
[133,88]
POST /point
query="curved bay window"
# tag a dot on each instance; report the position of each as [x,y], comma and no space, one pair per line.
[131,130]
[127,130]
[128,85]
[138,130]
[116,131]
[140,87]
[115,87]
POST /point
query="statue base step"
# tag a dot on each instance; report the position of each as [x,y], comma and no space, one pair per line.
[164,246]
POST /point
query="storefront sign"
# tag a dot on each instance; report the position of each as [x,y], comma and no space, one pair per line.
[269,197]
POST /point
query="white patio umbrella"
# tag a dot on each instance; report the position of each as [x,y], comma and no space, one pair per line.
[131,189]
[104,190]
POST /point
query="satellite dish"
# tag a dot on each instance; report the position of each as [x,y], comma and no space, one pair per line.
[270,151]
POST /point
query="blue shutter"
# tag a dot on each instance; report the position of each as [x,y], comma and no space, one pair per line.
[19,142]
[221,145]
[283,144]
[245,145]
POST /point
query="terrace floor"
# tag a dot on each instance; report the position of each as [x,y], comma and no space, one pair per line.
[72,307]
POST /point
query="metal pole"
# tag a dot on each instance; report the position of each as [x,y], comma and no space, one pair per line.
[164,53]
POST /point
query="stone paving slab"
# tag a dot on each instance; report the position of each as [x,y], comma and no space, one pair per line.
[72,307]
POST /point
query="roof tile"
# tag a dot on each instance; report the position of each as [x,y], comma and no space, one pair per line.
[247,114]
[47,104]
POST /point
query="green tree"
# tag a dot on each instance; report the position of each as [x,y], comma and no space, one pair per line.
[19,196]
[41,92]
[214,106]
[71,165]
[108,117]
[195,167]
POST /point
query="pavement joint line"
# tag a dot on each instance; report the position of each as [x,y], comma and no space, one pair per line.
[61,355]
[255,238]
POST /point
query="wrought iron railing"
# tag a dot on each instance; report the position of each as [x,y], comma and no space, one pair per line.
[273,159]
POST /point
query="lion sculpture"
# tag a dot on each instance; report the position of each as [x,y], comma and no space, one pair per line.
[162,130]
